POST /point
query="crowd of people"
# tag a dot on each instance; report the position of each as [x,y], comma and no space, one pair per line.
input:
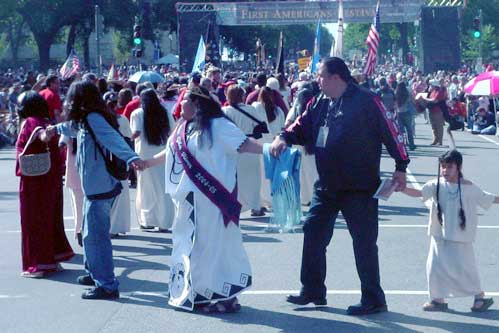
[193,143]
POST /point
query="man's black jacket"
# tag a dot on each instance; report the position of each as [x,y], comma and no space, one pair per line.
[350,161]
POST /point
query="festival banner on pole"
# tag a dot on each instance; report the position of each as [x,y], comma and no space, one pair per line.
[316,57]
[199,61]
[280,55]
[338,46]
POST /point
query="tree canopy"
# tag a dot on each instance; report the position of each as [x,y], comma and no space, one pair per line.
[46,19]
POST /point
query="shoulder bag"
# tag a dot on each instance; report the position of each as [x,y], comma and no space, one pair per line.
[34,164]
[259,129]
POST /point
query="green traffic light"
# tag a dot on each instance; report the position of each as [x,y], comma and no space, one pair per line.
[137,41]
[476,34]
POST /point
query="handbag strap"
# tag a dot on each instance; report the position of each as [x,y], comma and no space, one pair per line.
[247,114]
[32,138]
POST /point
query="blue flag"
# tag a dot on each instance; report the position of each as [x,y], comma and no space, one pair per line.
[316,57]
[199,61]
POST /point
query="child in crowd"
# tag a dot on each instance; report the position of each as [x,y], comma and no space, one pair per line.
[451,267]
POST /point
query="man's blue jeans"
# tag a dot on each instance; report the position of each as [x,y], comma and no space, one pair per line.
[360,211]
[97,247]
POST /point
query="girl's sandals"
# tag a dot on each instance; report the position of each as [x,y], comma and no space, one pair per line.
[435,306]
[227,306]
[482,304]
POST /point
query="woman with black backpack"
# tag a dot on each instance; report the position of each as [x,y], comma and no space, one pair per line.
[97,135]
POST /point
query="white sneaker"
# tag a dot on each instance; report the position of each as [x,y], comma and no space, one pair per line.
[34,275]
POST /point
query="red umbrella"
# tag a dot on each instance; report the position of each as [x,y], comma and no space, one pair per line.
[485,84]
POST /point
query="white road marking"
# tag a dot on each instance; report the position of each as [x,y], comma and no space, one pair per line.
[413,180]
[349,292]
[489,139]
[265,226]
[329,292]
[133,294]
[12,296]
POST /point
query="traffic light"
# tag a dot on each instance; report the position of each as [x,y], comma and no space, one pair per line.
[476,28]
[137,34]
[138,49]
[137,53]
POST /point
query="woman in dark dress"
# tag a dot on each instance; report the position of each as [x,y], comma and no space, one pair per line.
[44,242]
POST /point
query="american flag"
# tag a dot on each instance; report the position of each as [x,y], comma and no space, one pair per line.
[70,67]
[372,42]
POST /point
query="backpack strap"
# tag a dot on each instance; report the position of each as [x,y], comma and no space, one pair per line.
[92,134]
[247,114]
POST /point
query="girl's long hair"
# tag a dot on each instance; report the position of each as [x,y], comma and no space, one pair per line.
[401,94]
[84,97]
[207,110]
[265,97]
[156,125]
[452,157]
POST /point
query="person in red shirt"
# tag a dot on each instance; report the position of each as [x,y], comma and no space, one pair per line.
[124,97]
[276,95]
[457,108]
[134,104]
[435,102]
[194,82]
[51,95]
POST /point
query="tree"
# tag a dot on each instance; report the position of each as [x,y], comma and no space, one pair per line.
[46,18]
[490,26]
[355,36]
[470,45]
[13,25]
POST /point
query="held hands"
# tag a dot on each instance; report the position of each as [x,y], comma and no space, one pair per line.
[139,165]
[400,179]
[278,146]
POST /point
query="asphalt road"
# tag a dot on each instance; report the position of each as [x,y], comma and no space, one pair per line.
[53,304]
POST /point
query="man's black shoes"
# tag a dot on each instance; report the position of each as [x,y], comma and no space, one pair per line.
[360,309]
[304,300]
[100,293]
[85,280]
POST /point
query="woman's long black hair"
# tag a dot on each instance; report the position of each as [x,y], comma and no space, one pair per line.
[32,104]
[452,157]
[207,110]
[156,124]
[84,97]
[401,94]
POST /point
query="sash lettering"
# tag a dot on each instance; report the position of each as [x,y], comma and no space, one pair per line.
[204,181]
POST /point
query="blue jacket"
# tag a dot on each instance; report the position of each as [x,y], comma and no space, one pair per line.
[358,127]
[96,182]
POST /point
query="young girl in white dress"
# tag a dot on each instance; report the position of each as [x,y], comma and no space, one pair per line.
[451,268]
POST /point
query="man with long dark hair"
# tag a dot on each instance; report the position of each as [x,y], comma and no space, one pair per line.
[346,127]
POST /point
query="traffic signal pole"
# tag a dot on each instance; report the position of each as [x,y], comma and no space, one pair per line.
[137,42]
[97,39]
[481,35]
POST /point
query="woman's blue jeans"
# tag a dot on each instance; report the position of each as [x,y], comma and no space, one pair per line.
[97,247]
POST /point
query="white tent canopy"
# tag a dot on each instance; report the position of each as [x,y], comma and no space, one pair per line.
[168,59]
